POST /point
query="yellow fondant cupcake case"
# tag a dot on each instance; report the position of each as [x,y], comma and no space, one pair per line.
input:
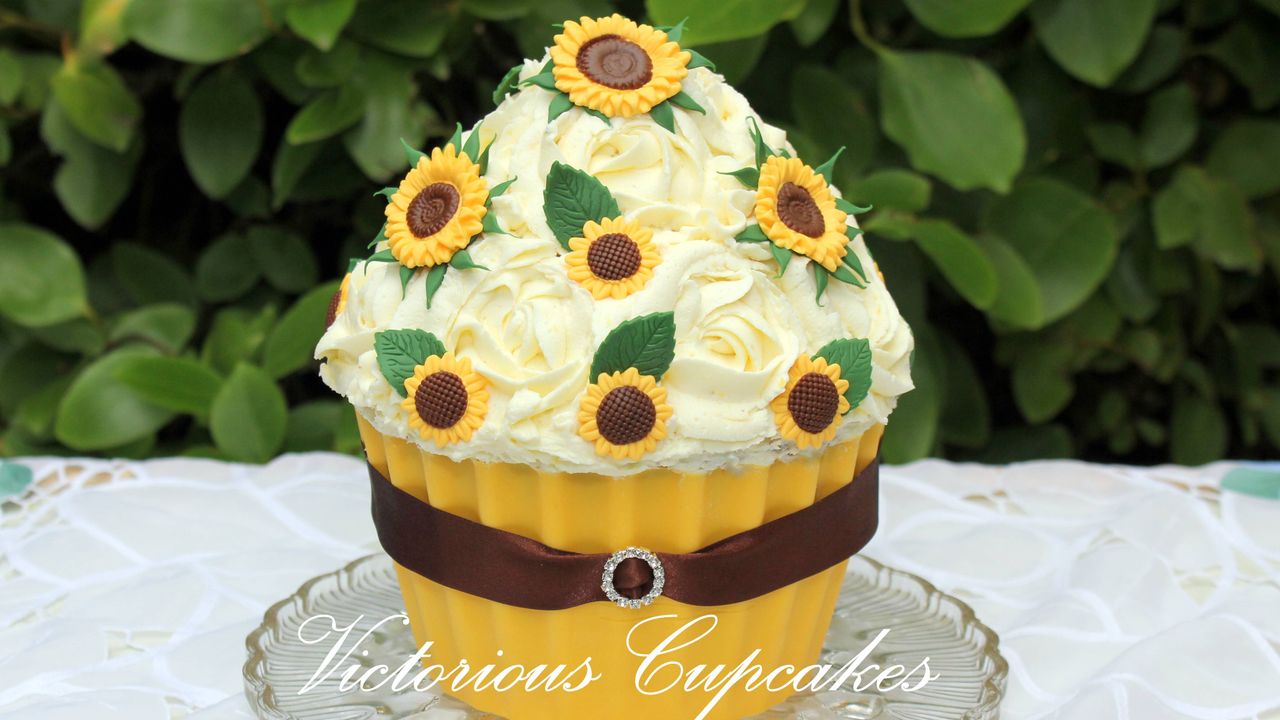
[618,312]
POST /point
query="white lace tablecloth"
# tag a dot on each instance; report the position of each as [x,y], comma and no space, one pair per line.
[127,589]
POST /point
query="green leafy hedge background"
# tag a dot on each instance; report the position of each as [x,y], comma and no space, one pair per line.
[1077,204]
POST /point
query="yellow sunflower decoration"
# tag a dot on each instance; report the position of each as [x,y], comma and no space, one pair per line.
[617,67]
[446,401]
[438,208]
[796,211]
[614,257]
[338,302]
[624,413]
[809,410]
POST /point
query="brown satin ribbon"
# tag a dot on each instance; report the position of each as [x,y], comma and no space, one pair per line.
[515,570]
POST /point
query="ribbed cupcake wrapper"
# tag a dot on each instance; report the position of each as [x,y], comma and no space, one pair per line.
[660,510]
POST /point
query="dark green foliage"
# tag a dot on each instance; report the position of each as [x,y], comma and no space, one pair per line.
[1076,204]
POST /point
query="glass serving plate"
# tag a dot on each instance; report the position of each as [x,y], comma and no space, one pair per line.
[924,622]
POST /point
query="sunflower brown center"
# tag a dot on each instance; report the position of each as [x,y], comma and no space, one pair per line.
[613,257]
[441,399]
[798,211]
[432,209]
[332,313]
[813,402]
[614,62]
[626,415]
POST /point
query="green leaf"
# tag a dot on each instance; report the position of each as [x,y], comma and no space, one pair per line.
[197,31]
[851,261]
[970,18]
[544,80]
[312,426]
[782,256]
[751,233]
[236,336]
[811,24]
[392,109]
[712,21]
[1021,444]
[748,176]
[853,355]
[960,260]
[472,146]
[25,369]
[827,168]
[1169,127]
[328,114]
[560,104]
[462,260]
[1116,143]
[835,114]
[913,434]
[646,343]
[435,278]
[148,276]
[684,100]
[954,117]
[419,29]
[820,279]
[226,269]
[849,208]
[572,198]
[507,84]
[220,131]
[500,188]
[844,271]
[1197,431]
[490,225]
[248,416]
[291,163]
[663,115]
[98,104]
[1252,59]
[1248,153]
[698,60]
[92,181]
[292,342]
[319,21]
[965,420]
[167,325]
[1065,238]
[1042,382]
[401,351]
[99,411]
[406,274]
[1211,215]
[181,385]
[385,256]
[1093,39]
[1158,60]
[41,279]
[762,150]
[10,77]
[892,188]
[284,259]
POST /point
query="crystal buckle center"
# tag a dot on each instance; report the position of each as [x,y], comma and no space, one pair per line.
[611,567]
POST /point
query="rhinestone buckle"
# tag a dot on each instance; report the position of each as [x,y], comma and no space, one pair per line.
[611,567]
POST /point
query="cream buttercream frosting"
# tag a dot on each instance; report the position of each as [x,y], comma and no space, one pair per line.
[531,331]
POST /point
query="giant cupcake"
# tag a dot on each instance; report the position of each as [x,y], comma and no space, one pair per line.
[617,316]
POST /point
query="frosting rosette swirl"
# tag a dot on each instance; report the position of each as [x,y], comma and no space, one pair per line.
[538,306]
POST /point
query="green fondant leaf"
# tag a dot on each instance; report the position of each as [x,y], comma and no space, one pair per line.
[748,176]
[500,188]
[353,263]
[507,84]
[752,233]
[387,192]
[848,207]
[853,355]
[544,80]
[406,274]
[646,343]
[380,237]
[851,259]
[697,60]
[472,146]
[662,114]
[456,139]
[560,105]
[843,274]
[596,113]
[463,261]
[382,256]
[675,32]
[684,100]
[483,162]
[490,225]
[572,197]
[852,232]
[782,256]
[762,151]
[826,168]
[435,276]
[820,279]
[400,351]
[410,153]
